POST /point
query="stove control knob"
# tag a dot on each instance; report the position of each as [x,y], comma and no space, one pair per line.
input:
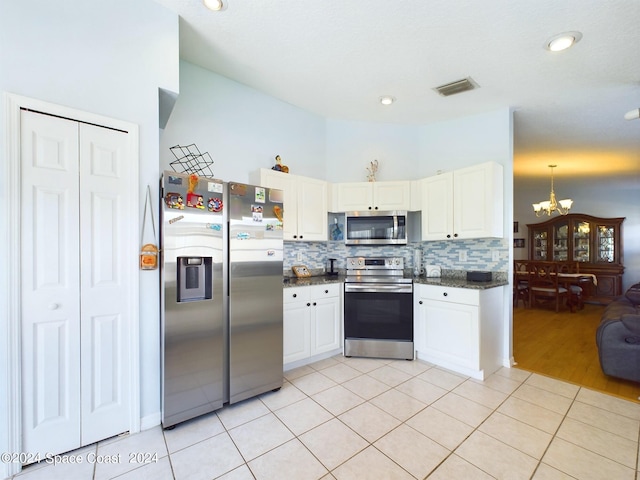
[360,261]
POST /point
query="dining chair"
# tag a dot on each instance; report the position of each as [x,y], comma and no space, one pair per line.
[520,282]
[544,286]
[576,291]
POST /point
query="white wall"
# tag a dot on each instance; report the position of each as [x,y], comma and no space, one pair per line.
[352,146]
[108,58]
[242,129]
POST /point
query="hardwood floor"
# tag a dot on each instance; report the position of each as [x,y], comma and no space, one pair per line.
[563,346]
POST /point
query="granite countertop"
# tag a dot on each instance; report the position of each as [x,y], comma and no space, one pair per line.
[457,282]
[446,281]
[314,280]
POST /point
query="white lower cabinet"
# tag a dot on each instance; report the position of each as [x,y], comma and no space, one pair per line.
[312,322]
[459,329]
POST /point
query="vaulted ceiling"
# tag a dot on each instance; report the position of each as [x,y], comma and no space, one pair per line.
[337,58]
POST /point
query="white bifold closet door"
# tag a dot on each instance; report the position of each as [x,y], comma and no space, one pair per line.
[75,330]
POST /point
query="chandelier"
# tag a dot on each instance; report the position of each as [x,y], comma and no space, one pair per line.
[552,205]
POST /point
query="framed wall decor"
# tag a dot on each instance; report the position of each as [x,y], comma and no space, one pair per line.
[518,243]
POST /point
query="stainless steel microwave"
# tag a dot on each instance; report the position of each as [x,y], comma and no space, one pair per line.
[376,228]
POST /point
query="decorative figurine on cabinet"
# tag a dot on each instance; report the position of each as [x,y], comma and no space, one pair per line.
[279,167]
[371,176]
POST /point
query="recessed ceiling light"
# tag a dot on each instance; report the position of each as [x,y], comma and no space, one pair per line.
[563,41]
[387,99]
[214,5]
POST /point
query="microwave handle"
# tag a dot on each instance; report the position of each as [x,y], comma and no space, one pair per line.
[395,227]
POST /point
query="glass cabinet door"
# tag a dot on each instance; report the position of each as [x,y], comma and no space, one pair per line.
[581,241]
[540,244]
[561,242]
[605,243]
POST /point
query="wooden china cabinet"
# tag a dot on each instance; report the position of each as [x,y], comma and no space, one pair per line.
[595,244]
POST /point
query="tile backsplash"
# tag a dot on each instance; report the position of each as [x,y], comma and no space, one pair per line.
[446,254]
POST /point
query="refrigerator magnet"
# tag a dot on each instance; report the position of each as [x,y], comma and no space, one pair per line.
[174,200]
[214,187]
[215,204]
[256,212]
[260,195]
[277,211]
[195,201]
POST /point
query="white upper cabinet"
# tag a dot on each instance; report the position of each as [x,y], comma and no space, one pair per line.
[305,204]
[380,196]
[465,203]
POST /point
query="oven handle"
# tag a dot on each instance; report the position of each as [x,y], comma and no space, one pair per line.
[378,288]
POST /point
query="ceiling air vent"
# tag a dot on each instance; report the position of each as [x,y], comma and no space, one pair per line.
[458,86]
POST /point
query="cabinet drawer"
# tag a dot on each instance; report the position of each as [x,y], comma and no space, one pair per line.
[465,296]
[296,294]
[328,290]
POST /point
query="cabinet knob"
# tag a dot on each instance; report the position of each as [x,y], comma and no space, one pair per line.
[445,294]
[448,235]
[455,235]
[295,295]
[420,302]
[300,237]
[326,291]
[376,208]
[314,304]
[308,304]
[369,208]
[295,236]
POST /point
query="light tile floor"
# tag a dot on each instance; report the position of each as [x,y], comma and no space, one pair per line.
[357,418]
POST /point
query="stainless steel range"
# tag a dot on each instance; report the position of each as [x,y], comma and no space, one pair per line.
[378,309]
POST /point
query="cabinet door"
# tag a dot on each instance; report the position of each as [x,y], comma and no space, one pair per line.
[478,201]
[539,243]
[605,244]
[296,343]
[354,196]
[437,207]
[286,183]
[561,242]
[451,333]
[391,195]
[312,209]
[581,242]
[325,335]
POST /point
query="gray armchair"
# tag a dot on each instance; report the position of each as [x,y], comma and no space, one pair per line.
[618,336]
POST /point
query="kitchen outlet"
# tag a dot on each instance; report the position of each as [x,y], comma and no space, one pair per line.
[462,255]
[299,257]
[495,255]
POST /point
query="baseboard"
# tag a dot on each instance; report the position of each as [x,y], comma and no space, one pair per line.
[314,358]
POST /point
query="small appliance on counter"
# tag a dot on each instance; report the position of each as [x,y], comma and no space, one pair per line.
[332,267]
[433,271]
[417,263]
[476,276]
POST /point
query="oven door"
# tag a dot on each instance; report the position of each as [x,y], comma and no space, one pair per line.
[378,312]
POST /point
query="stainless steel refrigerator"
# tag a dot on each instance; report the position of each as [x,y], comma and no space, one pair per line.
[221,294]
